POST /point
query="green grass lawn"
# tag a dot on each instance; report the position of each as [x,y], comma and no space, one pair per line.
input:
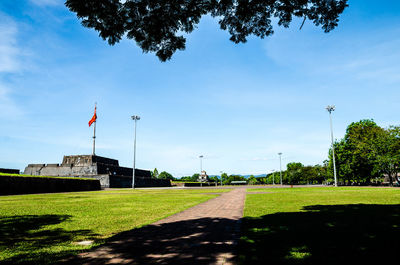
[43,228]
[321,226]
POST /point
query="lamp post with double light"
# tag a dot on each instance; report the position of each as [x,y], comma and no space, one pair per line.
[280,166]
[135,118]
[331,108]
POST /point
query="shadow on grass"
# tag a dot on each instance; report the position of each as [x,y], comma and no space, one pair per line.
[193,242]
[330,234]
[28,238]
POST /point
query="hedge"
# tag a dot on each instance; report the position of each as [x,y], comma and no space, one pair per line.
[199,184]
[10,184]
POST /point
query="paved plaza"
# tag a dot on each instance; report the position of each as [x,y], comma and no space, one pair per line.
[204,234]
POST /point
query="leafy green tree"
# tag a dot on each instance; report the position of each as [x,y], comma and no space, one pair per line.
[362,138]
[367,152]
[270,178]
[224,177]
[357,153]
[275,178]
[294,172]
[313,174]
[159,25]
[320,174]
[388,153]
[154,174]
[214,179]
[195,177]
[192,178]
[262,180]
[188,178]
[343,159]
[165,175]
[233,178]
[252,180]
[308,174]
[185,178]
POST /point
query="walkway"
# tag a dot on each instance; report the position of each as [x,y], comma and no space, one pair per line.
[204,234]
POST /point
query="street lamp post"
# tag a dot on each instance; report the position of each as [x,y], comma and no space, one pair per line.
[135,118]
[201,163]
[201,170]
[330,109]
[221,177]
[280,166]
[273,177]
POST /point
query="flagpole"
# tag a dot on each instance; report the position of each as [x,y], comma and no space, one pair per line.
[94,138]
[94,132]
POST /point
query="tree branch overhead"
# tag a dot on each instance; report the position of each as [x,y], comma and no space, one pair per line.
[156,25]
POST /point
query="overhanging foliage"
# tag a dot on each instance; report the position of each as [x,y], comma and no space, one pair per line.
[158,25]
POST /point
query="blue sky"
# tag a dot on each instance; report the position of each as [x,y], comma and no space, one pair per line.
[238,105]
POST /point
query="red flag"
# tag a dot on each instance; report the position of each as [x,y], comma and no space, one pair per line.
[94,118]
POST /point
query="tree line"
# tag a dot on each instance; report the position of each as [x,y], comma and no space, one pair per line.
[295,174]
[226,179]
[367,155]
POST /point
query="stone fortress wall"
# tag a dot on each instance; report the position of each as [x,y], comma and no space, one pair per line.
[105,169]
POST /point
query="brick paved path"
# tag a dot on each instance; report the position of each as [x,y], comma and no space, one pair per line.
[203,234]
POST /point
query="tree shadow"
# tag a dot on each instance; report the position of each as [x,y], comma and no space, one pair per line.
[197,241]
[30,238]
[324,234]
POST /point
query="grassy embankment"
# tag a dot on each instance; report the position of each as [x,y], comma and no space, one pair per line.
[321,226]
[37,176]
[43,228]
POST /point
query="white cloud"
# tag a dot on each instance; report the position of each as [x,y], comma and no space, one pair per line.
[8,108]
[9,64]
[8,45]
[47,2]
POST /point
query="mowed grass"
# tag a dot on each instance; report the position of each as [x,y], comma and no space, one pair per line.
[44,228]
[321,226]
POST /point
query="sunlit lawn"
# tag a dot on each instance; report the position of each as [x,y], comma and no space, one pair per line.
[321,226]
[43,228]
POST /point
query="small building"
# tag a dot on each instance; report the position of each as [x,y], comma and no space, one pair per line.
[395,179]
[203,177]
[107,170]
[239,182]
